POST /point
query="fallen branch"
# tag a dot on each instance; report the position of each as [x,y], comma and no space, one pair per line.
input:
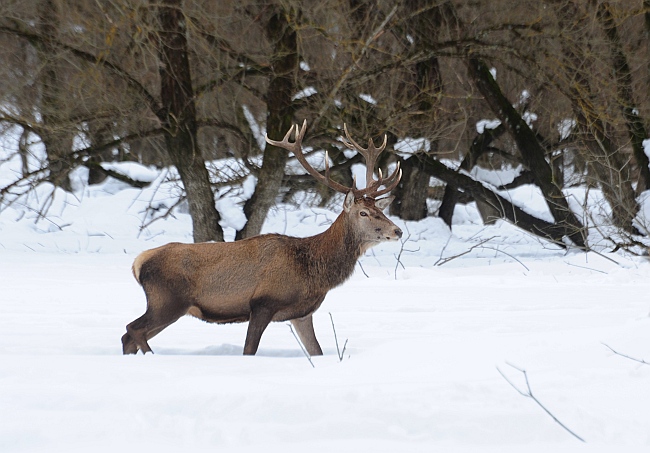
[340,353]
[508,254]
[529,394]
[442,260]
[626,356]
[362,269]
[301,346]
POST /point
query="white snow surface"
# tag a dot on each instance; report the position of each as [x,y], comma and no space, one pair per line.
[427,323]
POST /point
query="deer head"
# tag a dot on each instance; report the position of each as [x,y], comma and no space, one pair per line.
[362,210]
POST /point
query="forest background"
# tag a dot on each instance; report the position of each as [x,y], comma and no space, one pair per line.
[554,92]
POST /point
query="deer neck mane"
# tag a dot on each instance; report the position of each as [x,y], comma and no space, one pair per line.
[329,258]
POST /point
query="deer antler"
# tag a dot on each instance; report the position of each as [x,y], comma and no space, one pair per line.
[370,154]
[296,149]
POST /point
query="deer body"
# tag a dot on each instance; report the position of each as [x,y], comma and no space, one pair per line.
[265,278]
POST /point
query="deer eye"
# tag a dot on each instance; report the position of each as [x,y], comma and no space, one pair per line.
[363,214]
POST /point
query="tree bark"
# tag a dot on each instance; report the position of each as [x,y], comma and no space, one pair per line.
[423,94]
[179,113]
[411,192]
[603,158]
[646,21]
[532,152]
[56,138]
[625,99]
[480,144]
[284,64]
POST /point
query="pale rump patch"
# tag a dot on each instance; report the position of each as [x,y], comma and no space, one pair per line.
[139,261]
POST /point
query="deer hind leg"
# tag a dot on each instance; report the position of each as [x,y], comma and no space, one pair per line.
[128,344]
[135,338]
[157,317]
[305,329]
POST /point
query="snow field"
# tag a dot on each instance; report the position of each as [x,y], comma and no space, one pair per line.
[419,372]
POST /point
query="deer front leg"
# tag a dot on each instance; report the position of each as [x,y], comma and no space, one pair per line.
[305,329]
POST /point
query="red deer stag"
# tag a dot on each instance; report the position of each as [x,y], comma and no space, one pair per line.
[265,278]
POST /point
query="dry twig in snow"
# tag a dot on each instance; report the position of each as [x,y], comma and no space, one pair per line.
[529,394]
[626,356]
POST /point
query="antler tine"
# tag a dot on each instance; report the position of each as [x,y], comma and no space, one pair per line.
[285,143]
[394,175]
[296,148]
[371,154]
[383,145]
[390,183]
[350,143]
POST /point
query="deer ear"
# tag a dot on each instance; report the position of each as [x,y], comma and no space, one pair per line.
[383,203]
[349,201]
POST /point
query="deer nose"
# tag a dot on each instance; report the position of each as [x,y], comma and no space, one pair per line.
[398,232]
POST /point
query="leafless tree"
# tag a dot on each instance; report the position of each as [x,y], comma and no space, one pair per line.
[185,82]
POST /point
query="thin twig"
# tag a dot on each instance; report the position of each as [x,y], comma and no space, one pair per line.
[304,351]
[362,269]
[585,267]
[169,212]
[352,67]
[496,249]
[529,394]
[401,250]
[625,355]
[442,260]
[442,251]
[607,257]
[336,340]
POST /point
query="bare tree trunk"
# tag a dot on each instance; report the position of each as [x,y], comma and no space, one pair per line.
[56,138]
[479,146]
[23,150]
[604,159]
[97,135]
[284,63]
[623,77]
[177,97]
[646,17]
[424,94]
[411,192]
[532,153]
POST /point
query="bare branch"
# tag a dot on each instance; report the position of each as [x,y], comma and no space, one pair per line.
[441,261]
[496,249]
[340,353]
[528,393]
[149,99]
[301,346]
[626,356]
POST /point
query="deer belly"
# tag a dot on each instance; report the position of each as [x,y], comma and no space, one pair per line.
[298,310]
[223,314]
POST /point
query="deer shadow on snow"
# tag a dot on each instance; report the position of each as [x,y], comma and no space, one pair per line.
[234,350]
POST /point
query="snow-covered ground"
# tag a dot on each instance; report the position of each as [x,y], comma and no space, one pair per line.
[426,338]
